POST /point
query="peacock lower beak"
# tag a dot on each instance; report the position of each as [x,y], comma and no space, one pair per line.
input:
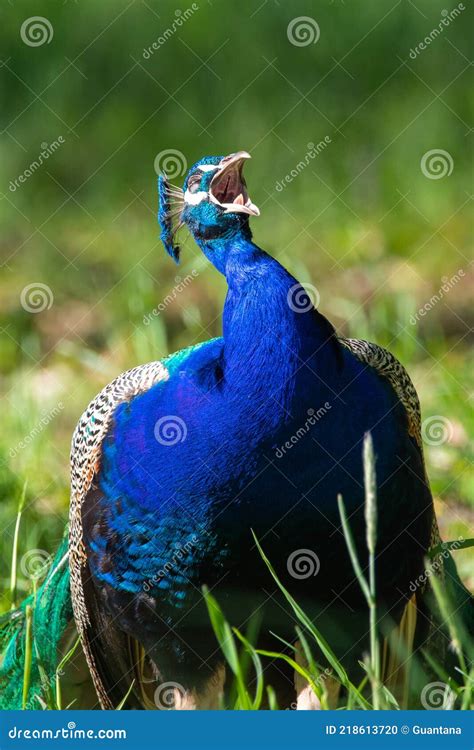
[228,188]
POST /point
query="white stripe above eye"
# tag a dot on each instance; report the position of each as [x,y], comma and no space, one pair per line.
[194,198]
[207,167]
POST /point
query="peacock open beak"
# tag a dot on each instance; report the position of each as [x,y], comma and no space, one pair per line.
[228,188]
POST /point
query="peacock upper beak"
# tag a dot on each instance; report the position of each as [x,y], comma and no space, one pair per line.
[228,188]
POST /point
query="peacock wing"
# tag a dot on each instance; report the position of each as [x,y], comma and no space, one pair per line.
[86,451]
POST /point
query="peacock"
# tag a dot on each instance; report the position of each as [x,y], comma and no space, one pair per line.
[178,465]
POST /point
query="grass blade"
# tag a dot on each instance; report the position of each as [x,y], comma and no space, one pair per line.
[59,672]
[313,630]
[225,638]
[257,701]
[28,655]
[272,700]
[352,550]
[13,576]
[125,697]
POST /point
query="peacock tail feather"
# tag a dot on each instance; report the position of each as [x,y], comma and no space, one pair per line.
[51,612]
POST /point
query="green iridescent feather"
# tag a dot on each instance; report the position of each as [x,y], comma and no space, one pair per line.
[51,612]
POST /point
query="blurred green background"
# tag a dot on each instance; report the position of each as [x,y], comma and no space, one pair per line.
[368,221]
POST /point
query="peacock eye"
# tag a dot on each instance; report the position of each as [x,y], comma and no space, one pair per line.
[193,184]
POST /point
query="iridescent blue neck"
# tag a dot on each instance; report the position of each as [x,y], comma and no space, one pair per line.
[269,341]
[219,249]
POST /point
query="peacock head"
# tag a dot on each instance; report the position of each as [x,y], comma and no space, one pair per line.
[213,202]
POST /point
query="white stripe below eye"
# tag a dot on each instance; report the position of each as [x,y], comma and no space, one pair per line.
[207,167]
[194,198]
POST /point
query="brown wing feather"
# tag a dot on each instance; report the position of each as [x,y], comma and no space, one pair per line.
[389,367]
